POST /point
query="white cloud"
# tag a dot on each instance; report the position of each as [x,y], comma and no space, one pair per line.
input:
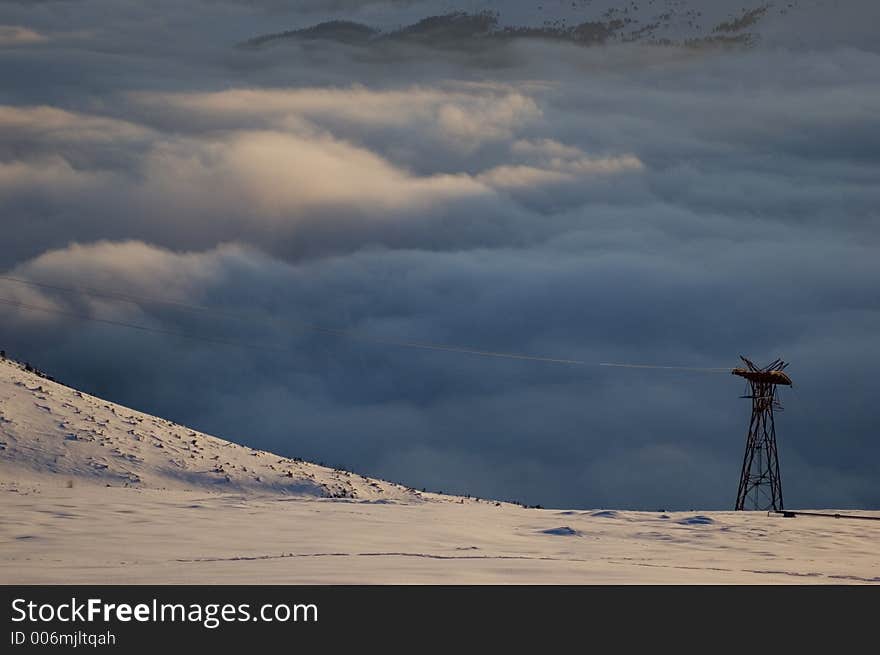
[131,266]
[519,177]
[467,116]
[46,123]
[16,35]
[544,148]
[557,171]
[269,178]
[278,176]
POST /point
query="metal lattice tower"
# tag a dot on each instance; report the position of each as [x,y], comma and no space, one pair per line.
[760,485]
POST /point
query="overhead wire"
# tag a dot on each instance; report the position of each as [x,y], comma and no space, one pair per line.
[134,326]
[343,333]
[337,332]
[674,368]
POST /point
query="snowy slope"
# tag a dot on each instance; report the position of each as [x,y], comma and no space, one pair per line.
[59,436]
[93,492]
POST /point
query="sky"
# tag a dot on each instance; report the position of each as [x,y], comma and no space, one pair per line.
[626,202]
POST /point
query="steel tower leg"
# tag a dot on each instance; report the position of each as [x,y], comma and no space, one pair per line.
[760,478]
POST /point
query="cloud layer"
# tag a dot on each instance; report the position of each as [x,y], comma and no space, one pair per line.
[624,203]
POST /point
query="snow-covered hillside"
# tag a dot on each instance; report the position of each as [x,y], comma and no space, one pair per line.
[56,435]
[93,492]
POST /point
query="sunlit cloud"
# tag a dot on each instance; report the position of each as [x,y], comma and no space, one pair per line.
[467,117]
[16,35]
[45,123]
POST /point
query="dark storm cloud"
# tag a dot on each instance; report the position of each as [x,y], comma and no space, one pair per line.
[619,204]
